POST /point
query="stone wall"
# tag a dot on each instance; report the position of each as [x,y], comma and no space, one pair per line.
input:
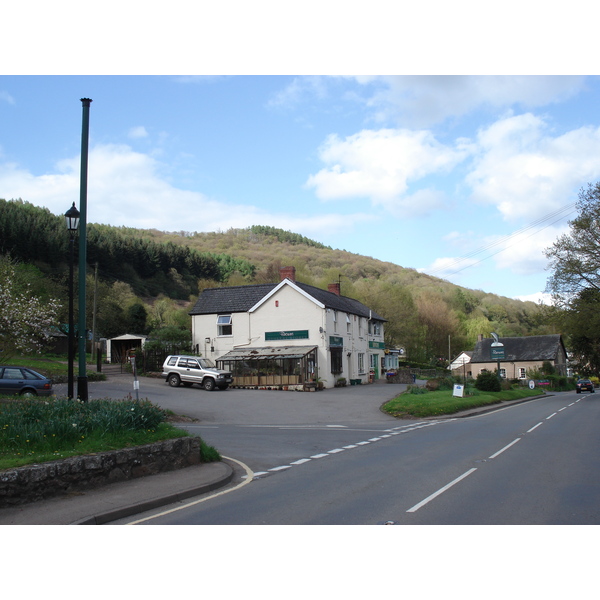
[37,482]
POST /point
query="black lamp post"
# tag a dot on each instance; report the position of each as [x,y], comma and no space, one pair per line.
[72,221]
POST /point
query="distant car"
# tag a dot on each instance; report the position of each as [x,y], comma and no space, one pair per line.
[193,369]
[585,384]
[23,381]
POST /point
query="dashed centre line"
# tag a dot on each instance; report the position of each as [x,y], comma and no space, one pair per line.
[398,431]
[302,461]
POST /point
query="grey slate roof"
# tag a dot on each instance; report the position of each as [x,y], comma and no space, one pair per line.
[520,349]
[242,298]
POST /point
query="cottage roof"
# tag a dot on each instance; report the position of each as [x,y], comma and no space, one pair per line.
[519,349]
[242,298]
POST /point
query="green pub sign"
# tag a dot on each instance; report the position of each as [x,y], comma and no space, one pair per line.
[272,336]
[497,352]
[336,341]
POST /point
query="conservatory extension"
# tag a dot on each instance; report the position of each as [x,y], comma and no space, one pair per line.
[287,367]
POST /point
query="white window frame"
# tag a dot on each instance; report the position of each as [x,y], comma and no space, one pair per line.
[224,321]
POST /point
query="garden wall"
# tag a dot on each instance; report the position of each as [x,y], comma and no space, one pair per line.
[37,482]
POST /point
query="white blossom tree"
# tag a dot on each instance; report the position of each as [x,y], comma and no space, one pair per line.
[25,320]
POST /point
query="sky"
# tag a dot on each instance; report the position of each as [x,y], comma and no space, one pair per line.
[464,177]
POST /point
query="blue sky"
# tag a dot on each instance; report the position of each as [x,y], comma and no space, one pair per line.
[465,177]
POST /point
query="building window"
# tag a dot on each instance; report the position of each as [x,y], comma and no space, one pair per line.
[374,327]
[336,360]
[522,373]
[361,362]
[348,324]
[503,373]
[335,321]
[224,326]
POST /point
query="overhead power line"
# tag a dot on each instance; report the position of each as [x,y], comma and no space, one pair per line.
[557,215]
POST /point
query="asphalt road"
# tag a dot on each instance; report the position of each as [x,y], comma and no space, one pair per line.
[333,458]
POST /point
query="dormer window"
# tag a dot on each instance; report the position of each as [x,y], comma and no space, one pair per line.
[224,325]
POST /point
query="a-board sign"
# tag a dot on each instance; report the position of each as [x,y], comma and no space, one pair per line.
[459,391]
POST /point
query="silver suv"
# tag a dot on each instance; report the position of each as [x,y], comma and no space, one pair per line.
[193,369]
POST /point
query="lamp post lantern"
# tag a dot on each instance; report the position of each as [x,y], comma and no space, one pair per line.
[72,222]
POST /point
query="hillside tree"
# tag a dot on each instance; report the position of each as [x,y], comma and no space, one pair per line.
[25,320]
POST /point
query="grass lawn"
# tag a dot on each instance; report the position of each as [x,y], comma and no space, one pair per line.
[56,368]
[434,404]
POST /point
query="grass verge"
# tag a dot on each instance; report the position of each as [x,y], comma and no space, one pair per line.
[434,404]
[39,430]
[53,367]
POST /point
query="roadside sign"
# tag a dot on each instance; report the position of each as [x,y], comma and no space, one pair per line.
[459,391]
[497,352]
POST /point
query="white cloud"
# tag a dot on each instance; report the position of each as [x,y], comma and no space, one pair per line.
[6,97]
[423,100]
[298,90]
[137,132]
[523,253]
[538,298]
[526,172]
[380,164]
[127,188]
[448,267]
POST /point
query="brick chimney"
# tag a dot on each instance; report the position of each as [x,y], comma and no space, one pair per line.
[334,287]
[287,273]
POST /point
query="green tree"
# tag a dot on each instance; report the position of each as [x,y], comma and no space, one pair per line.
[581,324]
[575,256]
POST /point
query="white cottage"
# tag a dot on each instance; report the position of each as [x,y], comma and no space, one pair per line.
[288,334]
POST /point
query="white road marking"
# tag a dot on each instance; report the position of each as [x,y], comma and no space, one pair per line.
[553,414]
[505,448]
[319,455]
[530,430]
[416,507]
[335,451]
[282,468]
[301,461]
[245,481]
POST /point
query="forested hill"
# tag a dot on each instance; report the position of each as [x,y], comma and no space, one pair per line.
[423,312]
[34,235]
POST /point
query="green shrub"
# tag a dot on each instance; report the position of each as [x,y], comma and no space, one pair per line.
[488,382]
[440,383]
[415,389]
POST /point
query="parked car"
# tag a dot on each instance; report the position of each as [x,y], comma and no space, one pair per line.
[585,384]
[23,381]
[193,369]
